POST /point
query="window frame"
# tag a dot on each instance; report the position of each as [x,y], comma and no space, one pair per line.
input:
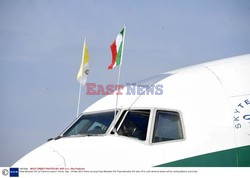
[151,110]
[154,122]
[95,112]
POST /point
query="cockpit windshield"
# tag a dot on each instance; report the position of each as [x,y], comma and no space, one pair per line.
[91,124]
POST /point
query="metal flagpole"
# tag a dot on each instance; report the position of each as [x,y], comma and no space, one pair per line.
[80,88]
[79,99]
[119,73]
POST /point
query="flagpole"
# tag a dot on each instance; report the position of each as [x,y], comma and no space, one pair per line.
[79,99]
[119,73]
[80,88]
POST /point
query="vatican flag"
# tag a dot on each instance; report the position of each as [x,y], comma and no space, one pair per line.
[84,67]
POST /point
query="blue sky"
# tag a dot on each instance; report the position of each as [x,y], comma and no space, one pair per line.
[41,47]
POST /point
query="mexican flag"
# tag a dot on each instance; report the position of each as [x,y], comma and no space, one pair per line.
[117,50]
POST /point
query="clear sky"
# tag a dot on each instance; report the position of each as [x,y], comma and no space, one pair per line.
[41,47]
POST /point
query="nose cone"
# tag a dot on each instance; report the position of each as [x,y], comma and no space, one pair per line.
[97,151]
[89,152]
[43,156]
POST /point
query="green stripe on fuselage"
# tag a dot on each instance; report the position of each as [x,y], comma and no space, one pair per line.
[227,158]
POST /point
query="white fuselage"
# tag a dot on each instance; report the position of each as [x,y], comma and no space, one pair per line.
[213,100]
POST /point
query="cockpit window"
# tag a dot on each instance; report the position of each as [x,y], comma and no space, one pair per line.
[91,124]
[135,124]
[167,126]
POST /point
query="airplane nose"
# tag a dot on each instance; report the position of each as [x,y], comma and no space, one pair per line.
[43,156]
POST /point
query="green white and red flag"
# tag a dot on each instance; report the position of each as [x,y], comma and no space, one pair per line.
[117,50]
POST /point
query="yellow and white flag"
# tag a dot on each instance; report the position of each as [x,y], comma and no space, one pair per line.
[84,67]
